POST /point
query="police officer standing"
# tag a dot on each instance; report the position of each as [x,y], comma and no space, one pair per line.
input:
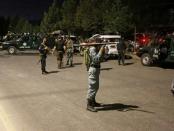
[69,51]
[59,47]
[43,50]
[121,51]
[93,77]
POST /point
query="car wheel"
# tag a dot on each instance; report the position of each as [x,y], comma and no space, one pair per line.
[146,60]
[12,50]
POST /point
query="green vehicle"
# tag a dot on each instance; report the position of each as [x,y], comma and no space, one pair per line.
[23,43]
[157,53]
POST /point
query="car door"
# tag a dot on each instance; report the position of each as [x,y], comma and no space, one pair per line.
[23,43]
[34,40]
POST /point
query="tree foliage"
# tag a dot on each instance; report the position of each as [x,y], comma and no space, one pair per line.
[20,25]
[4,23]
[68,16]
[117,17]
[87,17]
[51,19]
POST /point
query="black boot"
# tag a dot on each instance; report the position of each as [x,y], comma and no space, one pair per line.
[96,104]
[44,72]
[90,106]
[172,92]
[59,65]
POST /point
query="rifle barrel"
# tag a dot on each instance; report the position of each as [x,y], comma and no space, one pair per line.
[92,44]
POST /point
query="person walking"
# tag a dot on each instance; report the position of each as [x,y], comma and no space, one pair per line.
[121,51]
[93,77]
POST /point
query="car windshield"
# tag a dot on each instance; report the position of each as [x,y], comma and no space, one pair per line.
[75,40]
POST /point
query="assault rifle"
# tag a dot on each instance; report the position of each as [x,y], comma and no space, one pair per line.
[93,44]
[46,48]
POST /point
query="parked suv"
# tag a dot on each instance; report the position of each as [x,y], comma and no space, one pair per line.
[111,46]
[111,43]
[157,52]
[25,42]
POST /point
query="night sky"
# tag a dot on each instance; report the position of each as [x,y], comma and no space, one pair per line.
[30,9]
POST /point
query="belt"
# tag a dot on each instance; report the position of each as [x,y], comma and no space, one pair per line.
[95,66]
[59,51]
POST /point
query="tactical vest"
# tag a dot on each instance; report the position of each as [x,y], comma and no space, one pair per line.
[59,46]
[69,44]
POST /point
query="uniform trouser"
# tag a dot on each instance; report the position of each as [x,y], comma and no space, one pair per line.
[93,82]
[121,57]
[69,57]
[59,58]
[43,62]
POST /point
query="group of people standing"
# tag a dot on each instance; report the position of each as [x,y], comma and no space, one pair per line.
[95,52]
[61,46]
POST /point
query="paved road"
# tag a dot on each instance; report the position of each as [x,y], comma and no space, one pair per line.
[136,98]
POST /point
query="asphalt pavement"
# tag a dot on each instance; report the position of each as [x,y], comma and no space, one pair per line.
[134,97]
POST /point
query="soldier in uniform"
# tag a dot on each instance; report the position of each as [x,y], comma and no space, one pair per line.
[59,47]
[93,77]
[86,58]
[121,51]
[69,52]
[43,50]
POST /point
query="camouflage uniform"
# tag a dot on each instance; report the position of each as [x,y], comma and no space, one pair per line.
[69,52]
[93,78]
[86,58]
[43,50]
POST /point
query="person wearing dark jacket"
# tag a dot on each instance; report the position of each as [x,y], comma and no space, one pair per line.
[43,50]
[121,51]
[59,47]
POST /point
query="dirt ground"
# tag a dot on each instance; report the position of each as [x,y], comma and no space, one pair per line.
[135,98]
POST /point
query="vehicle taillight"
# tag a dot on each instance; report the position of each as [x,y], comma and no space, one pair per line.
[144,40]
[161,40]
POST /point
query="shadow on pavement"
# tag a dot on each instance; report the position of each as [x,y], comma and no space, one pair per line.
[120,107]
[131,63]
[68,66]
[107,69]
[128,57]
[166,65]
[77,64]
[172,91]
[51,72]
[27,54]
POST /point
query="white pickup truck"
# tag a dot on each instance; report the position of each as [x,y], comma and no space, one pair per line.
[112,41]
